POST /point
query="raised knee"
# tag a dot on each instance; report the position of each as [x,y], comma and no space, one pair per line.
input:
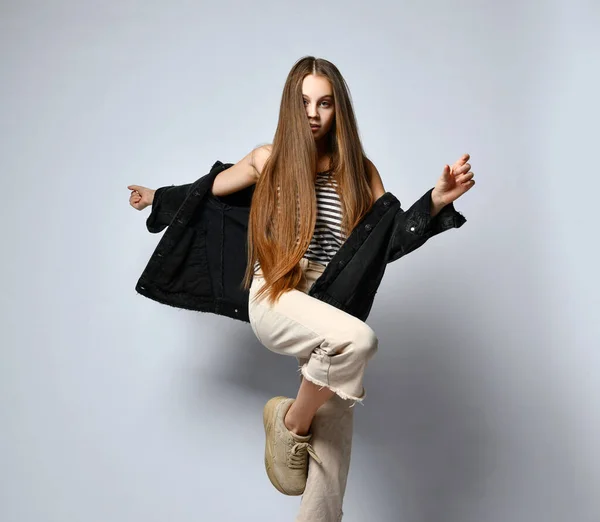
[368,341]
[363,342]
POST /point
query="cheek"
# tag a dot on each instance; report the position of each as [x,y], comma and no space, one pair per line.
[327,118]
[331,119]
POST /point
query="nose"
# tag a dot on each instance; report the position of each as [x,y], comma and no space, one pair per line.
[311,110]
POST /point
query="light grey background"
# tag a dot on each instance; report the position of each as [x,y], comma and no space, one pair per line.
[483,401]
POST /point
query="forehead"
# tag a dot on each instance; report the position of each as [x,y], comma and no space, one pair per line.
[316,86]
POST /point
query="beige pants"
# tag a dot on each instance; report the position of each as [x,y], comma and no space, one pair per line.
[332,348]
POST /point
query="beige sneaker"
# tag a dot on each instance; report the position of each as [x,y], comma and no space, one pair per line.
[286,454]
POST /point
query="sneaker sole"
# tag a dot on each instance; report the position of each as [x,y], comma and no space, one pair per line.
[269,422]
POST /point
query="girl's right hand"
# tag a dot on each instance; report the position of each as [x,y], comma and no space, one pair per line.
[140,197]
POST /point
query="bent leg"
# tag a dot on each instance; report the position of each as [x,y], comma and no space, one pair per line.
[332,348]
[337,345]
[309,399]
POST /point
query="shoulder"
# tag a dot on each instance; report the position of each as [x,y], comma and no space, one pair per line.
[371,168]
[259,156]
[374,179]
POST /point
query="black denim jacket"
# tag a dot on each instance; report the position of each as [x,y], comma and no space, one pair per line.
[199,262]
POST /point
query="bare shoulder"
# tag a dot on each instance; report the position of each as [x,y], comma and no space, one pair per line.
[259,156]
[374,179]
[371,168]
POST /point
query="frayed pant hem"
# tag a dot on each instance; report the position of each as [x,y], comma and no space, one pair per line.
[337,391]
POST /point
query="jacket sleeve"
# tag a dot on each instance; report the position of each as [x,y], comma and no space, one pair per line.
[412,228]
[167,201]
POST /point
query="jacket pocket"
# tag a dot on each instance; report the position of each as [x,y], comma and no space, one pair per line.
[185,268]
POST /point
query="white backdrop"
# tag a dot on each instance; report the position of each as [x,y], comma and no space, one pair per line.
[483,400]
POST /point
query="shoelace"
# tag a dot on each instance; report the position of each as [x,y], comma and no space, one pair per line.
[298,455]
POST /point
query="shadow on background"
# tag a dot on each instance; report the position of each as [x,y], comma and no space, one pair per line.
[426,434]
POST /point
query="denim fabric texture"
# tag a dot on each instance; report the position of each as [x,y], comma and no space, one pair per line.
[200,260]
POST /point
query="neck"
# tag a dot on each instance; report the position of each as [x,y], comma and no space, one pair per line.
[322,148]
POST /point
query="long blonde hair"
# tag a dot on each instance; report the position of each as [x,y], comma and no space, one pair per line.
[284,209]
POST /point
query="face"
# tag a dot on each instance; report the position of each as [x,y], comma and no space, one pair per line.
[319,104]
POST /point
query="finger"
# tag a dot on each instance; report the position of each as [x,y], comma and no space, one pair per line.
[461,161]
[465,177]
[447,173]
[462,169]
[134,187]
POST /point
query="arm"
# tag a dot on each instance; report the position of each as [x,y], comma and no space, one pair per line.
[165,204]
[426,218]
[243,174]
[378,190]
[436,204]
[374,180]
[412,228]
[167,200]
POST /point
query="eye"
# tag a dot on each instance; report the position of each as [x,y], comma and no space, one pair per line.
[327,104]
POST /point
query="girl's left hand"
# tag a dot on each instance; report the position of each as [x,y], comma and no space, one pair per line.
[454,181]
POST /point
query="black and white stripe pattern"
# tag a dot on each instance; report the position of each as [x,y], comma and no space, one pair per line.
[327,237]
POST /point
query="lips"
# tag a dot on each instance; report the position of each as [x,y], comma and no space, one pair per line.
[315,126]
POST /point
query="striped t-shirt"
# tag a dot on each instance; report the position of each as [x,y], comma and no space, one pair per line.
[327,237]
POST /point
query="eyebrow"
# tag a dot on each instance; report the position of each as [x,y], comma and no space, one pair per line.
[326,96]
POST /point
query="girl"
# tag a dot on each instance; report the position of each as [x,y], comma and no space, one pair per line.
[314,184]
